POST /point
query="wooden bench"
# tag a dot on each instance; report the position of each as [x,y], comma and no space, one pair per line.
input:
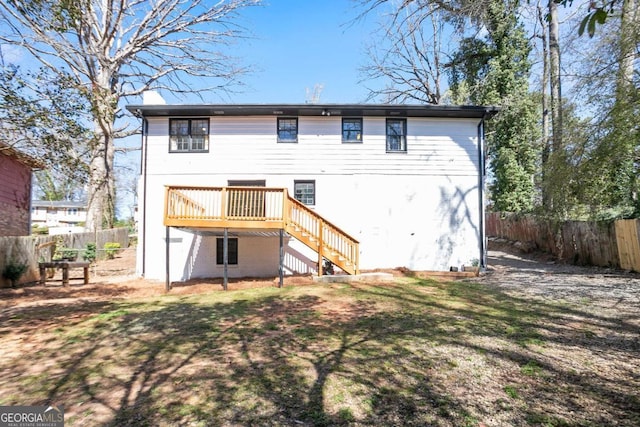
[65,266]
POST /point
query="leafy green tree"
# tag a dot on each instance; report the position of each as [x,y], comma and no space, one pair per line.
[559,179]
[52,186]
[495,71]
[609,85]
[43,116]
[610,171]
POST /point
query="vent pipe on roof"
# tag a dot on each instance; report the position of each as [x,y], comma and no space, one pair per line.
[151,97]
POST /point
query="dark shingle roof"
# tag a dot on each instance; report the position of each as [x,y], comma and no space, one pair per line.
[58,204]
[384,110]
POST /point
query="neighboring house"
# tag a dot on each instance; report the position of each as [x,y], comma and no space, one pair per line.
[286,188]
[15,191]
[63,214]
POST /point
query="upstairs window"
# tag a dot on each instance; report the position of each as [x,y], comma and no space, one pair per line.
[396,135]
[305,192]
[189,135]
[287,130]
[351,130]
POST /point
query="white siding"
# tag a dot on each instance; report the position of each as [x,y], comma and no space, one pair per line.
[257,257]
[418,209]
[435,147]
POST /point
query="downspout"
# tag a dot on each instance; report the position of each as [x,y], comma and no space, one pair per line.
[28,230]
[143,168]
[481,186]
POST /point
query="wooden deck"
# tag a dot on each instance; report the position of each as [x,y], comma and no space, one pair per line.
[260,208]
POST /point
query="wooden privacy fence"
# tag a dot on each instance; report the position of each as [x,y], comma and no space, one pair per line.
[24,249]
[628,239]
[605,244]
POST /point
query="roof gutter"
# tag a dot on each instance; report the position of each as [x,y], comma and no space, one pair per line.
[320,110]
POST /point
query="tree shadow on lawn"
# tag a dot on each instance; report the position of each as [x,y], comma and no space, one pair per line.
[29,319]
[412,354]
[563,393]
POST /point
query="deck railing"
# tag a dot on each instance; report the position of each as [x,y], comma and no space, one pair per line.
[260,208]
[224,203]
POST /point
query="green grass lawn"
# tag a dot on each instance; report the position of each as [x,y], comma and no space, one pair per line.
[414,353]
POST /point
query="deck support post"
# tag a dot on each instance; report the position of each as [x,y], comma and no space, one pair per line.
[225,258]
[167,285]
[281,267]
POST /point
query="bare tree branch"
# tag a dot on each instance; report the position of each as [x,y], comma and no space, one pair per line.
[115,49]
[408,57]
[456,11]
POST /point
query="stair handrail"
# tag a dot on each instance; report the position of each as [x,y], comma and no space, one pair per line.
[317,216]
[348,251]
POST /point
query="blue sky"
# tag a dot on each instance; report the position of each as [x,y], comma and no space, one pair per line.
[297,44]
[294,45]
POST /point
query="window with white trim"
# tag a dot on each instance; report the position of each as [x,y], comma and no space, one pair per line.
[189,135]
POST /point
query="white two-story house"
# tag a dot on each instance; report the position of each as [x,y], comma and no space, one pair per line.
[262,190]
[58,214]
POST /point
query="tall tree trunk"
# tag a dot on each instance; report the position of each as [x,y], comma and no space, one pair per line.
[101,192]
[554,64]
[546,148]
[101,200]
[555,161]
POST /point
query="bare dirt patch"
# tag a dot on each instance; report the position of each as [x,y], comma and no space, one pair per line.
[510,269]
[116,279]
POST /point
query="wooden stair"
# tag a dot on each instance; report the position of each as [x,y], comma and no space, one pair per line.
[261,208]
[326,239]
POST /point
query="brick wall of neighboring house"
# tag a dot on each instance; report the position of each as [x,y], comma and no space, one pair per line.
[15,195]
